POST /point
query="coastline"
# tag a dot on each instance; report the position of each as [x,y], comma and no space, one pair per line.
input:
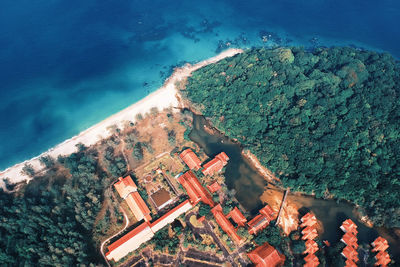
[164,97]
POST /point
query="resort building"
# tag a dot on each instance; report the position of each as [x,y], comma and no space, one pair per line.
[309,233]
[382,259]
[194,189]
[129,242]
[308,220]
[214,187]
[350,253]
[216,164]
[350,240]
[311,261]
[127,189]
[348,226]
[144,232]
[266,256]
[237,216]
[191,160]
[380,244]
[350,263]
[161,198]
[262,220]
[311,247]
[225,224]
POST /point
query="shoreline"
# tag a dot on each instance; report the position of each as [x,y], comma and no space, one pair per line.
[164,97]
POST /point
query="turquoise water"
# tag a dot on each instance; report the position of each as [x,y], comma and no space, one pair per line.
[67,65]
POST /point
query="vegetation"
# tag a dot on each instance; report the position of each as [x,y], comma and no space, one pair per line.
[52,222]
[326,122]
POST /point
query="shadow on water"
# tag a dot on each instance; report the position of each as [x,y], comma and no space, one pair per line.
[240,175]
[249,185]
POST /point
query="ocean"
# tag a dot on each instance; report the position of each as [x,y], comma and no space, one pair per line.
[68,64]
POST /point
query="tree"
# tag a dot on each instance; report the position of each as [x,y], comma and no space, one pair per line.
[204,209]
[28,170]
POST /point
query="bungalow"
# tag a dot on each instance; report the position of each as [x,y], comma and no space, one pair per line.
[382,259]
[309,233]
[214,187]
[380,244]
[349,226]
[350,263]
[225,224]
[237,216]
[216,164]
[308,220]
[194,189]
[311,247]
[266,256]
[350,253]
[190,158]
[311,260]
[350,240]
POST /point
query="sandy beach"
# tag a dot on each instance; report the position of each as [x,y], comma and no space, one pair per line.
[164,97]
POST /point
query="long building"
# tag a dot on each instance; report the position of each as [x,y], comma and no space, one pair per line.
[262,220]
[127,190]
[216,164]
[225,224]
[143,233]
[194,189]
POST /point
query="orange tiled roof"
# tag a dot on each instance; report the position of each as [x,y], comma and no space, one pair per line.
[216,164]
[350,263]
[138,206]
[126,237]
[350,253]
[225,223]
[350,240]
[311,260]
[349,226]
[308,220]
[268,212]
[257,224]
[169,213]
[266,256]
[380,244]
[124,186]
[309,233]
[382,259]
[190,158]
[311,247]
[194,189]
[237,216]
[214,187]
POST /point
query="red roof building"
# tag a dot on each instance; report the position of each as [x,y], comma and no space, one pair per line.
[257,224]
[382,259]
[380,244]
[266,256]
[190,158]
[311,260]
[127,189]
[349,226]
[311,247]
[350,240]
[309,233]
[125,186]
[237,216]
[350,263]
[269,213]
[308,220]
[216,164]
[225,224]
[214,187]
[350,253]
[194,189]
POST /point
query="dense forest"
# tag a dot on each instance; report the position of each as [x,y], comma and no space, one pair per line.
[324,121]
[50,223]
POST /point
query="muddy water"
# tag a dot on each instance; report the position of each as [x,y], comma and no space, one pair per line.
[249,185]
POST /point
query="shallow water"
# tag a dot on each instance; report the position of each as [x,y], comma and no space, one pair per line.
[69,64]
[249,185]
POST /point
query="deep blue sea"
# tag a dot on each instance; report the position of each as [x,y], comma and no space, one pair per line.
[66,64]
